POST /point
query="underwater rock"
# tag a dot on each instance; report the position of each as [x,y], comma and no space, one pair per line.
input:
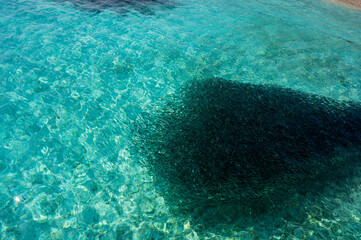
[121,6]
[28,230]
[89,215]
[224,140]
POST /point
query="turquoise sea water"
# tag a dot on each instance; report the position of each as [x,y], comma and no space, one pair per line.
[73,81]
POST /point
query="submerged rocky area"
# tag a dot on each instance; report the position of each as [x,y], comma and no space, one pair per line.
[121,6]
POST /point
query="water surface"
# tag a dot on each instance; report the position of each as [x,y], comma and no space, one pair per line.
[73,82]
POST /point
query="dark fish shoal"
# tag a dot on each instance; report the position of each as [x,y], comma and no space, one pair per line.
[221,139]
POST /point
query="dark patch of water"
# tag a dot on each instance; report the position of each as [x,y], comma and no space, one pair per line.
[219,149]
[146,7]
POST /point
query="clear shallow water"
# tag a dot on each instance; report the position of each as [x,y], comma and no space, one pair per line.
[73,82]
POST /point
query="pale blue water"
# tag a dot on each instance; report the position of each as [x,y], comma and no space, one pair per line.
[72,83]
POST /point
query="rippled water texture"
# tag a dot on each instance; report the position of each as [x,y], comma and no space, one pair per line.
[73,83]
